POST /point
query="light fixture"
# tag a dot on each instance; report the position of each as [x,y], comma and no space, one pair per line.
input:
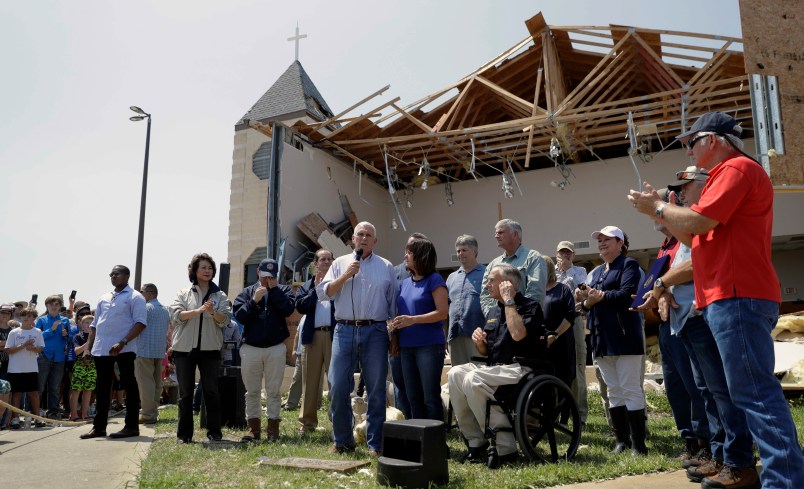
[138,110]
[507,186]
[448,194]
[136,118]
[559,185]
[394,224]
[424,172]
[555,148]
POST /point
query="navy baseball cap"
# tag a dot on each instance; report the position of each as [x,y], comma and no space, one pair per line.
[716,122]
[268,268]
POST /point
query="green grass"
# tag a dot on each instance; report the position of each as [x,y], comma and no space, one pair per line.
[169,465]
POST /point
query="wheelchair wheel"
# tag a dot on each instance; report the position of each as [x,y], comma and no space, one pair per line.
[546,412]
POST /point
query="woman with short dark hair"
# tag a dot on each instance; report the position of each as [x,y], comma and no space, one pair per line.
[199,314]
[422,306]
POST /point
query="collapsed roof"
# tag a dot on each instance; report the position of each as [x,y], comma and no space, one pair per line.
[562,95]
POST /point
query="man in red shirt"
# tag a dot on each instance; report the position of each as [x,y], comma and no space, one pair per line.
[738,290]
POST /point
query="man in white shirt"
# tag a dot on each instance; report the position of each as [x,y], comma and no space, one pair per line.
[363,288]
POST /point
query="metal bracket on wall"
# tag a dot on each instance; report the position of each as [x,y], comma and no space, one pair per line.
[769,134]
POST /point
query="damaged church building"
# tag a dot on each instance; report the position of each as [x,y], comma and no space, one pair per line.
[552,133]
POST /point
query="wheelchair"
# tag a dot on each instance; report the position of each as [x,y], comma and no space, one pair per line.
[542,413]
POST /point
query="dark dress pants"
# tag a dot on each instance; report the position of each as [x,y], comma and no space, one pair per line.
[207,362]
[103,389]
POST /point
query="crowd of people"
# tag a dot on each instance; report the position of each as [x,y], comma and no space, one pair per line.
[362,312]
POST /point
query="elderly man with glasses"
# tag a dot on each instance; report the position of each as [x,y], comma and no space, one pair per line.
[736,287]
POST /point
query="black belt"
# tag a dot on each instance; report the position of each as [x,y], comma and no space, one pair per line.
[359,322]
[324,328]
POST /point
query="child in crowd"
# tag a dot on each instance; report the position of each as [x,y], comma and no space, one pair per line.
[84,374]
[23,347]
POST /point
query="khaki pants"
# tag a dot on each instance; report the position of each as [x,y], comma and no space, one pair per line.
[469,388]
[258,366]
[315,358]
[148,372]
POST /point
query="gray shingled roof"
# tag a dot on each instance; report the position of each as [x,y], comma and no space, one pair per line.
[292,92]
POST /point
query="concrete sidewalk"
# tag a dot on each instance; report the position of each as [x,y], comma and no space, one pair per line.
[56,456]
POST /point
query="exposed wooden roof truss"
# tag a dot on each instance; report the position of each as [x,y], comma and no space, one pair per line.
[560,96]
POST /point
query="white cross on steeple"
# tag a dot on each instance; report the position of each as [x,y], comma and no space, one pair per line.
[296,38]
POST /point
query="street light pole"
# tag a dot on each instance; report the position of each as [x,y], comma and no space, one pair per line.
[141,233]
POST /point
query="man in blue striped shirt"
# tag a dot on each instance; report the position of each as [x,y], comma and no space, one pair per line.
[151,347]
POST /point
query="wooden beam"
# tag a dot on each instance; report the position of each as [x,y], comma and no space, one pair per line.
[367,166]
[263,128]
[444,118]
[421,125]
[658,60]
[505,93]
[360,118]
[346,111]
[535,104]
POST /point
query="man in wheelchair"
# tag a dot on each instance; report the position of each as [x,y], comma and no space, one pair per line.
[512,329]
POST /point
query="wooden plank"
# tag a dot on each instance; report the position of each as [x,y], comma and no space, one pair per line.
[341,466]
[364,164]
[658,60]
[351,107]
[505,93]
[535,104]
[421,125]
[328,240]
[360,118]
[454,107]
[312,226]
[588,82]
[263,128]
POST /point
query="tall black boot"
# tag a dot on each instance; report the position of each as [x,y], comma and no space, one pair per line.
[619,418]
[636,420]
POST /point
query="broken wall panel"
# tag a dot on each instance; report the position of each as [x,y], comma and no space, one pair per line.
[773,34]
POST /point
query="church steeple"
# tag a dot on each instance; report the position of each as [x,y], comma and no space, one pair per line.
[293,95]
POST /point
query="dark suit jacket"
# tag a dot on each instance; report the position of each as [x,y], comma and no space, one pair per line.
[306,302]
[615,329]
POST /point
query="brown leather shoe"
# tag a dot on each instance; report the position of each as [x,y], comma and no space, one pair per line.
[339,449]
[146,421]
[733,478]
[126,432]
[254,430]
[93,433]
[708,469]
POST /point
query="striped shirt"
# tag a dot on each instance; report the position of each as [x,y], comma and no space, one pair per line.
[371,294]
[152,342]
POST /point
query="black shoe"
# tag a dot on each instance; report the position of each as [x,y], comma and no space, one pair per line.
[507,459]
[93,433]
[476,455]
[214,437]
[126,432]
[183,441]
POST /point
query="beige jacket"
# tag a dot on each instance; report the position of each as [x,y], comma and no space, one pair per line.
[185,333]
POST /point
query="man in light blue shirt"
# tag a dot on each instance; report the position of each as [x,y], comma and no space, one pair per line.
[363,289]
[151,347]
[465,313]
[120,317]
[530,264]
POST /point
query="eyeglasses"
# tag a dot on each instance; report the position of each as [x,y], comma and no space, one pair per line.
[691,143]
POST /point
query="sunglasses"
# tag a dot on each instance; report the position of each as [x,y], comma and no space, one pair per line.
[691,143]
[692,175]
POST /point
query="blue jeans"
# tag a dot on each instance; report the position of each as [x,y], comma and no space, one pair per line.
[50,374]
[370,345]
[731,441]
[421,368]
[685,400]
[400,397]
[741,328]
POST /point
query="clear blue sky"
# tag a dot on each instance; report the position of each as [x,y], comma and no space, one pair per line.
[71,160]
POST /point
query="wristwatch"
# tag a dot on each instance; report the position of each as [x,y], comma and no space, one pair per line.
[659,283]
[510,302]
[124,342]
[660,210]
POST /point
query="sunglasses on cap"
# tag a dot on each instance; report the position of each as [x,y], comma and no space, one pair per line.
[692,175]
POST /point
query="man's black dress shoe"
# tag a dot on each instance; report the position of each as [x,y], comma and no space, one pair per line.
[126,432]
[93,433]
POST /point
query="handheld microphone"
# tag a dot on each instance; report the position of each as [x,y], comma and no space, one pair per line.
[359,253]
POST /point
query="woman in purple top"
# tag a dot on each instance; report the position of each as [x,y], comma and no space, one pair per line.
[422,306]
